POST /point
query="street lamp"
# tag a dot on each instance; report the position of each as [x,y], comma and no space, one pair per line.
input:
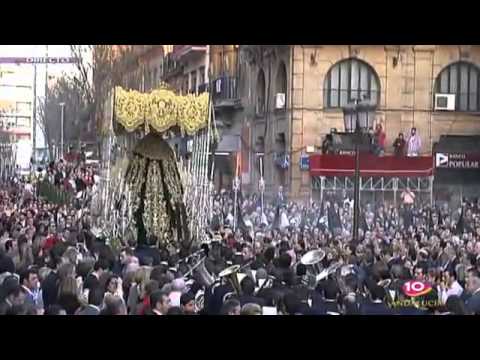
[358,136]
[62,107]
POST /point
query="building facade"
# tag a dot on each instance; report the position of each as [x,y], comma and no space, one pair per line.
[321,82]
[16,112]
[274,104]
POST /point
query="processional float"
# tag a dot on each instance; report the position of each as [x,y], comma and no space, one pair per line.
[145,192]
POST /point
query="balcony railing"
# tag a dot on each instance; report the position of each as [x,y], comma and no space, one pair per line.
[225,88]
[182,50]
[170,66]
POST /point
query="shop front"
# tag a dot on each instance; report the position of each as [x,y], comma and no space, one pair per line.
[457,169]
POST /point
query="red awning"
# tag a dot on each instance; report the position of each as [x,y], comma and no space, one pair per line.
[371,165]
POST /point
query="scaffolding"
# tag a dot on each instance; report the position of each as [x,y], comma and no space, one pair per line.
[392,185]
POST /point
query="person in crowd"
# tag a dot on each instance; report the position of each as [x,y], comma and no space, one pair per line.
[399,145]
[231,307]
[414,144]
[408,197]
[93,279]
[327,145]
[68,295]
[449,286]
[456,306]
[379,140]
[473,288]
[187,304]
[95,300]
[51,254]
[160,302]
[281,199]
[55,310]
[31,287]
[11,294]
[251,309]
[175,310]
[113,305]
[178,287]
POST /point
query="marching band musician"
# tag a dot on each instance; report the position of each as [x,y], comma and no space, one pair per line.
[375,305]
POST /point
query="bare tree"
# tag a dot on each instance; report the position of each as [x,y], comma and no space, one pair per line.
[100,68]
[66,90]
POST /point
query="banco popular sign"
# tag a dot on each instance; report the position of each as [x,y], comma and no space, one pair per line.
[457,161]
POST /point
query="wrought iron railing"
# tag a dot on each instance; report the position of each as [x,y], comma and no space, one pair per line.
[225,88]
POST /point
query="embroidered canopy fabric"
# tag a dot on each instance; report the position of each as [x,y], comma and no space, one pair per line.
[157,193]
[161,109]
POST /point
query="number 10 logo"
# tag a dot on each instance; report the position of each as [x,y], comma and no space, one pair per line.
[414,288]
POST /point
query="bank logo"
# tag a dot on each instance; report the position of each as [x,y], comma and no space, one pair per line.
[441,160]
[415,288]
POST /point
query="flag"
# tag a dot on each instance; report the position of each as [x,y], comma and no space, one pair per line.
[430,222]
[276,220]
[460,224]
[240,221]
[238,166]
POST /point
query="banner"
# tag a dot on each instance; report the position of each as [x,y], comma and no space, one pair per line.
[457,161]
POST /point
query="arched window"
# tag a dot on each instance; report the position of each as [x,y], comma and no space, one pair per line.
[260,105]
[463,80]
[281,82]
[350,80]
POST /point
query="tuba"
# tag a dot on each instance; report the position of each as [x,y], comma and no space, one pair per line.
[231,274]
[198,271]
[202,275]
[312,260]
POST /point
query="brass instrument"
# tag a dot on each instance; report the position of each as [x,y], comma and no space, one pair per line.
[332,269]
[232,276]
[347,270]
[199,300]
[267,283]
[198,271]
[312,260]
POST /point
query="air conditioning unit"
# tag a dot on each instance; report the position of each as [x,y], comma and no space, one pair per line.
[280,101]
[445,102]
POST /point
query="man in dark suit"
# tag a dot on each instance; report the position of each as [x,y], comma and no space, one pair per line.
[376,305]
[92,281]
[248,290]
[150,250]
[330,304]
[353,300]
[12,294]
[473,287]
[215,301]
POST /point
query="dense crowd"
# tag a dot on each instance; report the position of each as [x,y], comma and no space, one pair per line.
[53,262]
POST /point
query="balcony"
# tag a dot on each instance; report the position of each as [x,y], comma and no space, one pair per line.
[180,51]
[170,66]
[225,92]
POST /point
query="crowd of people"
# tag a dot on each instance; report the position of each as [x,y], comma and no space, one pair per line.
[53,262]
